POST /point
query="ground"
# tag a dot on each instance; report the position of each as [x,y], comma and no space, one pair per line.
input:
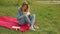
[47,16]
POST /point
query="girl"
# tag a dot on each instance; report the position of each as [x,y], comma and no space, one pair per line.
[24,16]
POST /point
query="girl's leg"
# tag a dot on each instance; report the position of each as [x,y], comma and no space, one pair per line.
[27,19]
[22,20]
[32,19]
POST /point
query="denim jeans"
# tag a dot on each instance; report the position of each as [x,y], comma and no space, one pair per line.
[27,19]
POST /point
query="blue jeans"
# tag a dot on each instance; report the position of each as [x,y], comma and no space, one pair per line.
[27,19]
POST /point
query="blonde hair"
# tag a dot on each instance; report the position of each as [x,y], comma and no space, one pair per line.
[28,7]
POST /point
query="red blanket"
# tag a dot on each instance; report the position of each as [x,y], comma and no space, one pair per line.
[12,23]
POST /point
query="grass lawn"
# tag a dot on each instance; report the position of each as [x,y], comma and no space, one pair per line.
[47,16]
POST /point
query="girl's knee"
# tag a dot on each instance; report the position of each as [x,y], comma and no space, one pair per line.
[25,16]
[33,15]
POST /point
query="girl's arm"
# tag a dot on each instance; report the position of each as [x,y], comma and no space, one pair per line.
[19,14]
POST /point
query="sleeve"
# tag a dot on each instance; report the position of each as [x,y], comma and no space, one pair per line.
[18,14]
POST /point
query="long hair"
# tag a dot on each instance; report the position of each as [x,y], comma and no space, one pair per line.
[25,3]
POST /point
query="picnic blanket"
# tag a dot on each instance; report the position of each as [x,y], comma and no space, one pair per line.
[12,23]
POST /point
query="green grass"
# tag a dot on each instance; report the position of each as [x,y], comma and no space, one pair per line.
[47,16]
